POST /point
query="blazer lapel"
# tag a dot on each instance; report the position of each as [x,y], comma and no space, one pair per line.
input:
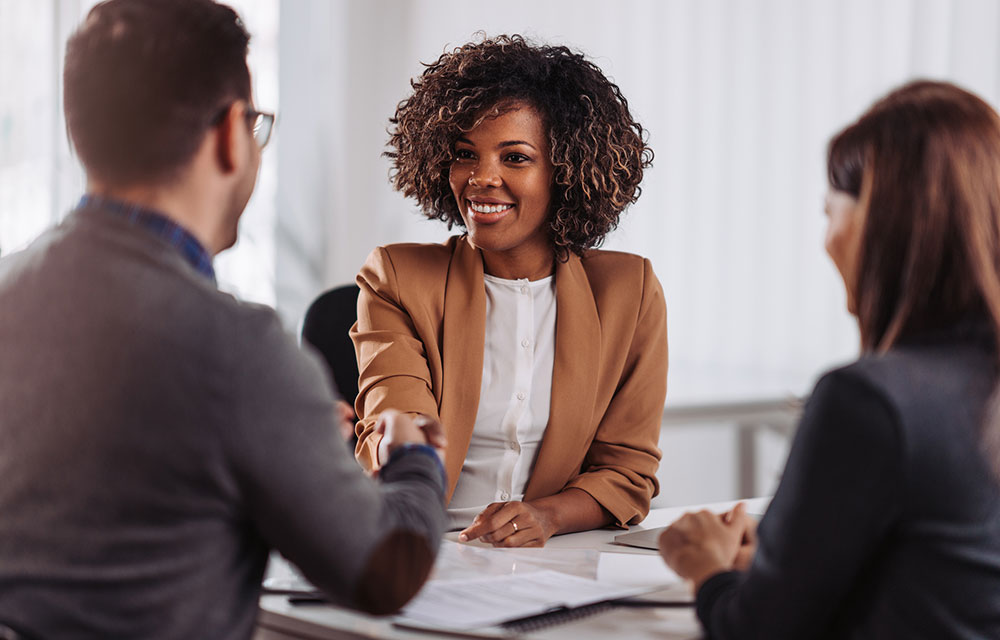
[462,343]
[574,382]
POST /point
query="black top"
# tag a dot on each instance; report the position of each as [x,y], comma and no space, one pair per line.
[886,523]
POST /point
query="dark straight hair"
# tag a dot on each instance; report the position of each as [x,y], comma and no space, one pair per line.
[145,79]
[924,162]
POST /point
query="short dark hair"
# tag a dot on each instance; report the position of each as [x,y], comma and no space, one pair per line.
[143,81]
[924,162]
[598,150]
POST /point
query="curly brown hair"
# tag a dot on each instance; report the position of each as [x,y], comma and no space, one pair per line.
[598,150]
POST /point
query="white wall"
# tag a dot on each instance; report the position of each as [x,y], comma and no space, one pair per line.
[739,97]
[40,178]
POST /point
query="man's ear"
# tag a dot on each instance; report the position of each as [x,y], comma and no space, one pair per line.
[227,138]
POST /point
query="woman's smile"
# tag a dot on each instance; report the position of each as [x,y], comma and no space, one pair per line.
[501,178]
[486,212]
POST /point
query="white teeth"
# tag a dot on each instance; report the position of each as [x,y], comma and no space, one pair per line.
[488,208]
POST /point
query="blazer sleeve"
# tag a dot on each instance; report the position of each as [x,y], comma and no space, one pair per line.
[619,470]
[838,500]
[392,361]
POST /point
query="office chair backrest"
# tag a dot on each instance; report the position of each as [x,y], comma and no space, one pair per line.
[7,633]
[327,323]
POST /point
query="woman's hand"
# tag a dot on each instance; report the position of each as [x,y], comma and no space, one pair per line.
[511,524]
[748,545]
[700,545]
[537,520]
[398,429]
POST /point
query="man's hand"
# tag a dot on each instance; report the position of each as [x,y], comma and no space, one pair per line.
[700,545]
[398,429]
[345,420]
[510,524]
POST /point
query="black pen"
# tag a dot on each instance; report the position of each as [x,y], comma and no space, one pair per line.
[642,604]
[308,599]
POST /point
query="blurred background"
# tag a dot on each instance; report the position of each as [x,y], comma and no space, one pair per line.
[739,98]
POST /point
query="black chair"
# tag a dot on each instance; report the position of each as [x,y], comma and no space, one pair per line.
[326,325]
[7,633]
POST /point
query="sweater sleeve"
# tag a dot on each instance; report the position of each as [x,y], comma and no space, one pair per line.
[837,501]
[303,490]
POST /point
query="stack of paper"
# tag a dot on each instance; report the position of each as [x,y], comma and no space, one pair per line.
[483,602]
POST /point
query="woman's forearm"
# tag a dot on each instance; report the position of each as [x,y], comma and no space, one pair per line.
[572,510]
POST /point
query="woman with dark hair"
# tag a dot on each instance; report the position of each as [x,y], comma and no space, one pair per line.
[886,523]
[544,358]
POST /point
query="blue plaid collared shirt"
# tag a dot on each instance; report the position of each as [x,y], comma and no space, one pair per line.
[160,226]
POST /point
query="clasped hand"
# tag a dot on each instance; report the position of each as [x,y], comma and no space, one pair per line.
[510,524]
[700,545]
[398,429]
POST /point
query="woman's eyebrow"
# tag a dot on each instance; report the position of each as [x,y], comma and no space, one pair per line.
[505,143]
[512,143]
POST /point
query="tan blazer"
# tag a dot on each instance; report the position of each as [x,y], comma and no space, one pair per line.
[420,337]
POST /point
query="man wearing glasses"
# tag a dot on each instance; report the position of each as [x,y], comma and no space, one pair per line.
[158,437]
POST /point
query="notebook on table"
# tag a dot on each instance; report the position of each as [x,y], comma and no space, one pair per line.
[645,539]
[650,538]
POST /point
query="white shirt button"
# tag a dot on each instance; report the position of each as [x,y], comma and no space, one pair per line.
[524,290]
[505,496]
[521,395]
[512,446]
[525,343]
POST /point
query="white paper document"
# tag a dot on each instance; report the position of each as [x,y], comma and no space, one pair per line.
[457,561]
[634,570]
[488,601]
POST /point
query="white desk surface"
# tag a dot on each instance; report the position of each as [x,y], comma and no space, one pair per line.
[280,620]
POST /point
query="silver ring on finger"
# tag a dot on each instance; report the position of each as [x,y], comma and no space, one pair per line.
[515,525]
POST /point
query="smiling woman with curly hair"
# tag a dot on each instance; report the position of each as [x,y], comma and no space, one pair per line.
[544,358]
[597,149]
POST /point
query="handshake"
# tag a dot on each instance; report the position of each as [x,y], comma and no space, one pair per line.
[396,429]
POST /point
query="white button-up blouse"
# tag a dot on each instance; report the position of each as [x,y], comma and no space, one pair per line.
[514,398]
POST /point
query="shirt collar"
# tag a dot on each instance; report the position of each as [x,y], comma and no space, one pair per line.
[158,225]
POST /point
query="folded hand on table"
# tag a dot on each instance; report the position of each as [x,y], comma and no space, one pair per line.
[700,545]
[748,544]
[510,524]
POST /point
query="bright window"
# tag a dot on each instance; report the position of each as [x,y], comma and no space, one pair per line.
[40,180]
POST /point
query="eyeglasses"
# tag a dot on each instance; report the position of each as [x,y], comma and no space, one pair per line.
[261,123]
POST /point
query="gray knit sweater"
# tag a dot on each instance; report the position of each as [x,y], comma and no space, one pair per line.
[158,437]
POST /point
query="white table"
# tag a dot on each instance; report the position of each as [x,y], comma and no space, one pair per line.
[279,620]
